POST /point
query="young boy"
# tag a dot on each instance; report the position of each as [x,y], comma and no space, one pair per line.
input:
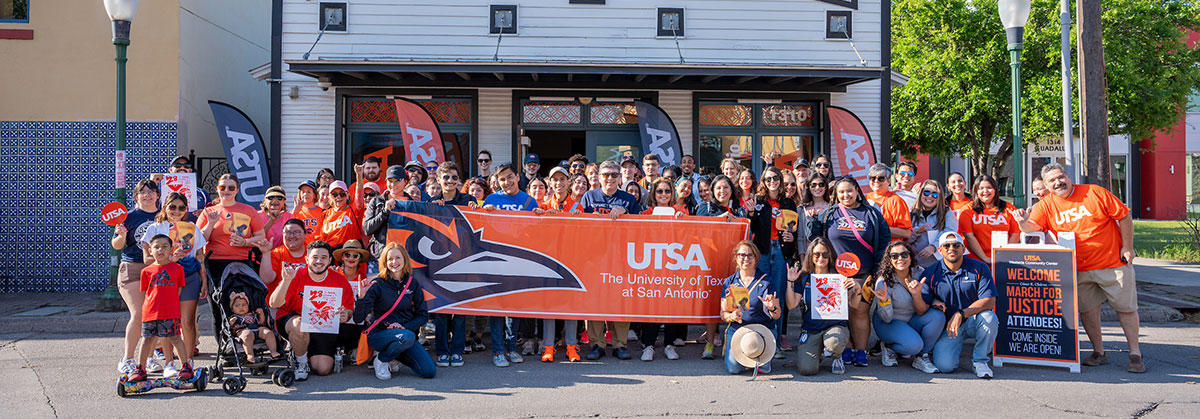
[162,282]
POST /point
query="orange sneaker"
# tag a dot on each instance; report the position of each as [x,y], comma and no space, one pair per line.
[548,354]
[573,353]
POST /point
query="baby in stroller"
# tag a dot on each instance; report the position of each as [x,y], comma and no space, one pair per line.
[246,326]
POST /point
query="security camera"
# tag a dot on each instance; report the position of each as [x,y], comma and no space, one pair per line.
[324,84]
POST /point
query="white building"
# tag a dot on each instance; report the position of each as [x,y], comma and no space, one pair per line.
[736,76]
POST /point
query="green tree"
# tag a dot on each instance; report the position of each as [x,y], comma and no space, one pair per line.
[957,97]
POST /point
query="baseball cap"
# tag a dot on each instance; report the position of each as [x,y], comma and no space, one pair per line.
[308,183]
[372,186]
[414,163]
[532,158]
[948,238]
[629,159]
[558,170]
[337,184]
[800,163]
[396,172]
[181,157]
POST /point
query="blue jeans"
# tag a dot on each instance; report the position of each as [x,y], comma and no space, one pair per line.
[504,334]
[982,327]
[731,365]
[452,344]
[916,336]
[776,269]
[400,345]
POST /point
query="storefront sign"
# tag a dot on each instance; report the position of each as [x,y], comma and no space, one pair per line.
[1036,306]
[658,134]
[422,139]
[243,151]
[852,144]
[584,266]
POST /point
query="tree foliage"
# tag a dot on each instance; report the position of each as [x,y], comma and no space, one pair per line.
[957,100]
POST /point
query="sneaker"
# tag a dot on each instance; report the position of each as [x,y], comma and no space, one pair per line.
[622,354]
[443,361]
[648,354]
[670,353]
[456,360]
[138,374]
[548,354]
[785,344]
[678,342]
[847,356]
[383,371]
[860,358]
[186,372]
[394,366]
[170,371]
[478,346]
[573,353]
[632,335]
[127,366]
[499,360]
[528,348]
[158,353]
[764,368]
[779,355]
[708,351]
[583,338]
[302,372]
[887,357]
[1137,365]
[596,353]
[925,365]
[153,366]
[838,367]
[514,357]
[467,348]
[982,370]
[1095,359]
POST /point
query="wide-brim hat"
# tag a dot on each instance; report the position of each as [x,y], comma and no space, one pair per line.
[752,345]
[351,246]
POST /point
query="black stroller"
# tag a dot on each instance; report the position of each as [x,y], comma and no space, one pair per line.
[240,278]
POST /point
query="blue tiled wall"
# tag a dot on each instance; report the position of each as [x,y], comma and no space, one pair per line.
[54,178]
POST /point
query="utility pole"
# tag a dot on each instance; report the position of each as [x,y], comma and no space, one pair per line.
[1093,95]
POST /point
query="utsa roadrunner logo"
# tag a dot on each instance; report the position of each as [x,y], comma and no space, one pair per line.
[455,264]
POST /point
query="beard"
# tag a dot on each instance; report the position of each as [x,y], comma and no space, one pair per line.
[371,176]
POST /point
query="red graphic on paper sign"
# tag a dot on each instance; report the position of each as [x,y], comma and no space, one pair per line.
[324,311]
[848,264]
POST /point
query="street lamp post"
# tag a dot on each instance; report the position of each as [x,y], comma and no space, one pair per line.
[121,13]
[1014,14]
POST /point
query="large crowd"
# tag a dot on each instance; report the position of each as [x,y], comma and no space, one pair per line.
[920,285]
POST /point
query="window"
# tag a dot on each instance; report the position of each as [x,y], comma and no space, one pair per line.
[14,11]
[670,21]
[372,130]
[744,132]
[502,18]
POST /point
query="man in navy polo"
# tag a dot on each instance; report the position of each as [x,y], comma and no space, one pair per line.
[966,289]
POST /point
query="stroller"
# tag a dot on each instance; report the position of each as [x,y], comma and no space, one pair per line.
[240,278]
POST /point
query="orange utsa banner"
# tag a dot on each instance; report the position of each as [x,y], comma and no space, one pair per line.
[586,266]
[422,139]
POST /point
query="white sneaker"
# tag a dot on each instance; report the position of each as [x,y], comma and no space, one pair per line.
[632,335]
[528,348]
[152,365]
[302,372]
[514,358]
[982,370]
[887,357]
[924,364]
[779,354]
[170,370]
[648,354]
[499,360]
[678,342]
[127,366]
[383,371]
[838,367]
[669,351]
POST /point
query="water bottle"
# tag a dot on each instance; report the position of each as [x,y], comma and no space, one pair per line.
[337,361]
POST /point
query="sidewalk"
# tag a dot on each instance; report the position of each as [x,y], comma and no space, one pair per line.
[1166,290]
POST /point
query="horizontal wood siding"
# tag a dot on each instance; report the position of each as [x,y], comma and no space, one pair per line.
[863,100]
[307,132]
[495,124]
[678,105]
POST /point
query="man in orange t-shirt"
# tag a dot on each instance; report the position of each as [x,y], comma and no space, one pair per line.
[291,253]
[895,210]
[1104,254]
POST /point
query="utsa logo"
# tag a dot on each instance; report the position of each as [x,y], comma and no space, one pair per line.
[844,224]
[990,219]
[1072,215]
[456,264]
[332,227]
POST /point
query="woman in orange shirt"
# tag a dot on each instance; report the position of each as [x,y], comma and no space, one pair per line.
[986,214]
[959,198]
[341,223]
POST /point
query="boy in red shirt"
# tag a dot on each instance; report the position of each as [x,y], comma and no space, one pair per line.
[162,282]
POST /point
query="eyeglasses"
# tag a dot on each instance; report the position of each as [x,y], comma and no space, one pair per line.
[177,207]
[274,198]
[662,191]
[338,194]
[578,166]
[821,165]
[613,175]
[226,188]
[789,184]
[450,177]
[954,246]
[818,185]
[182,165]
[484,160]
[744,255]
[879,178]
[930,194]
[908,173]
[770,179]
[898,255]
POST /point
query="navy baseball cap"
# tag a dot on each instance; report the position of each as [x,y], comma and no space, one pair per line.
[532,158]
[308,183]
[629,159]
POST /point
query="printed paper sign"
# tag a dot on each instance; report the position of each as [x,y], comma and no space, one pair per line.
[184,183]
[183,235]
[829,297]
[739,298]
[320,311]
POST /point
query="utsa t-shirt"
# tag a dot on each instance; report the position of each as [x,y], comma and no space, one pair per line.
[840,232]
[895,210]
[239,219]
[341,225]
[295,292]
[1091,212]
[520,201]
[597,202]
[982,224]
[312,218]
[161,283]
[136,223]
[281,257]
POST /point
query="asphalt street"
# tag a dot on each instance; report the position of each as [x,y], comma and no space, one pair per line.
[73,375]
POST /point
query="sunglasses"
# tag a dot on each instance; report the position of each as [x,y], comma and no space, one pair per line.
[898,255]
[663,191]
[177,207]
[789,184]
[955,246]
[484,160]
[613,175]
[450,177]
[930,194]
[908,173]
[338,194]
[770,179]
[370,195]
[817,185]
[879,178]
[226,188]
[821,165]
[182,165]
[275,198]
[824,255]
[578,166]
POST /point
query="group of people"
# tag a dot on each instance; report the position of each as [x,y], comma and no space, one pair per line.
[922,253]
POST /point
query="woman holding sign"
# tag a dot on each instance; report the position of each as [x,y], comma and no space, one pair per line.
[172,222]
[858,234]
[818,335]
[723,202]
[747,297]
[230,228]
[902,320]
[396,305]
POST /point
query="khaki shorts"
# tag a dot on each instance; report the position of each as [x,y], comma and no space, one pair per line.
[1115,285]
[130,272]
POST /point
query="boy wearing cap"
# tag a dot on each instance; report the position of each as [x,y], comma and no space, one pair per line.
[532,165]
[183,164]
[965,288]
[307,209]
